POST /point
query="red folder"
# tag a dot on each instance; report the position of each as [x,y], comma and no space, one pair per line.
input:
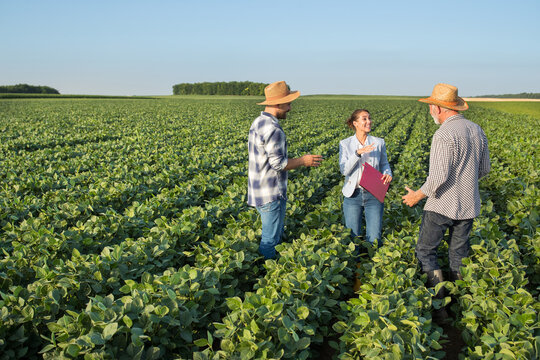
[372,182]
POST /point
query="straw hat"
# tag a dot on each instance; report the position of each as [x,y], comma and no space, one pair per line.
[446,96]
[278,93]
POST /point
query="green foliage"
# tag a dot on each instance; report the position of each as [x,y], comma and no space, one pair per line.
[220,88]
[61,96]
[512,107]
[124,233]
[498,315]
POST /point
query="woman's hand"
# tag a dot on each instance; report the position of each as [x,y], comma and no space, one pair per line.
[386,179]
[365,149]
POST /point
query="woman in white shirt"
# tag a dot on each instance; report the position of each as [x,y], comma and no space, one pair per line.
[354,151]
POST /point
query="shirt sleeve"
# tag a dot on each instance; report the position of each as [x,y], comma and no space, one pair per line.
[440,162]
[384,164]
[347,160]
[274,145]
[485,165]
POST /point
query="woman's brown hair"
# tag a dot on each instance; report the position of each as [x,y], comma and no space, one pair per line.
[356,113]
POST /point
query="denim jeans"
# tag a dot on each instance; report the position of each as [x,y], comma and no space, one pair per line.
[272,218]
[432,231]
[362,204]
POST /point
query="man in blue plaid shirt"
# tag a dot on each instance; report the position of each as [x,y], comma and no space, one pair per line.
[268,165]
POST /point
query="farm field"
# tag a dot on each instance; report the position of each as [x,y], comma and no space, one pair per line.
[125,235]
[531,108]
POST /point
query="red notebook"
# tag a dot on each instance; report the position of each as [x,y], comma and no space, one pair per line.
[371,181]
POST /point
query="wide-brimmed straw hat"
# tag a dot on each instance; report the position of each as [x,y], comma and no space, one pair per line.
[279,93]
[446,96]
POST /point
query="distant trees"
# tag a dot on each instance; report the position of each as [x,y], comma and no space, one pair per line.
[220,88]
[27,89]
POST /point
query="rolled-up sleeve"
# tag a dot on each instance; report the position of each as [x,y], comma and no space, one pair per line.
[275,148]
[440,162]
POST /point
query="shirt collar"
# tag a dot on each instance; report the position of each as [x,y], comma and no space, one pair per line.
[453,117]
[264,113]
[368,141]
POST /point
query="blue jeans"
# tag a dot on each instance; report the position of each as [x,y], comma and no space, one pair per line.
[432,231]
[362,204]
[272,218]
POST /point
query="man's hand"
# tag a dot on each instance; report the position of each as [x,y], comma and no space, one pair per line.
[312,160]
[386,179]
[413,197]
[305,160]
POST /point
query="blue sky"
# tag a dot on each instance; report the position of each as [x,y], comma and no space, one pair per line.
[318,47]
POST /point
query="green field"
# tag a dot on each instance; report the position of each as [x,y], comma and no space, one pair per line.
[61,96]
[125,235]
[512,107]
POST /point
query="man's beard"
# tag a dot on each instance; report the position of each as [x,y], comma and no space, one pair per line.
[436,120]
[281,115]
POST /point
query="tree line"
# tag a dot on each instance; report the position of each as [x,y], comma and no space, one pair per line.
[220,88]
[27,89]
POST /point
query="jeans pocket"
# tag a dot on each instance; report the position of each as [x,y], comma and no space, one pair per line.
[438,219]
[268,207]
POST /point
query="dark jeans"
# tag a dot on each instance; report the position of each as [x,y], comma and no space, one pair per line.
[432,231]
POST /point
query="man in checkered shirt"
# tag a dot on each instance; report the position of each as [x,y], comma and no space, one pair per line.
[459,158]
[268,165]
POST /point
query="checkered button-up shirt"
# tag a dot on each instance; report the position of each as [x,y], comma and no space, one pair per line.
[459,157]
[267,150]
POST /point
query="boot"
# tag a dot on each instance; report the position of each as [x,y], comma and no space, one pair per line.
[455,275]
[357,285]
[357,282]
[433,278]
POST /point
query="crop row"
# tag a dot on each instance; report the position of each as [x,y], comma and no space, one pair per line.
[130,238]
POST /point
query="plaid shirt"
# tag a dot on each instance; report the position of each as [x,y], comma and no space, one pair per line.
[267,149]
[459,157]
